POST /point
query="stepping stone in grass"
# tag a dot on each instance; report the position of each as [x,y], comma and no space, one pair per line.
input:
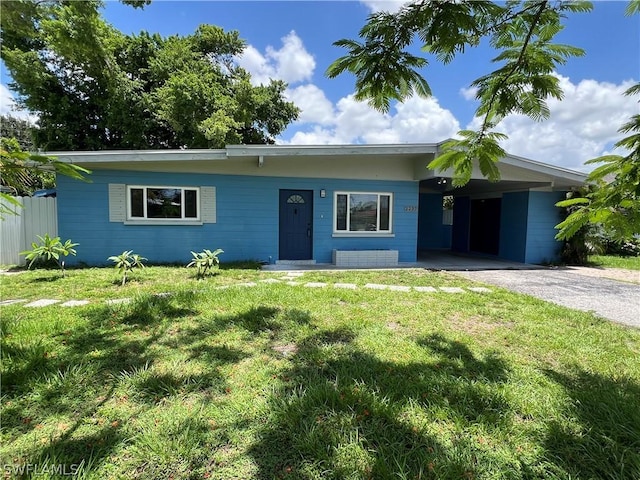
[11,302]
[45,302]
[315,285]
[74,303]
[399,288]
[376,286]
[452,289]
[270,280]
[425,289]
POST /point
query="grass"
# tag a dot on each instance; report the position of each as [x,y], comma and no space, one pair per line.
[280,381]
[614,261]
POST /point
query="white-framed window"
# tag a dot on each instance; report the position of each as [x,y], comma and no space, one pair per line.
[364,212]
[164,203]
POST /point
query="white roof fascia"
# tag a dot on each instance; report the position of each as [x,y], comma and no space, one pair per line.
[320,150]
[545,168]
[256,151]
[535,166]
[108,156]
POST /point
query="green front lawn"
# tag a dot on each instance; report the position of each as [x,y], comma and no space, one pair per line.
[282,381]
[614,261]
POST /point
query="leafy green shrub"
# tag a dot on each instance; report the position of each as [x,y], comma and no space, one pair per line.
[126,262]
[205,261]
[611,245]
[50,249]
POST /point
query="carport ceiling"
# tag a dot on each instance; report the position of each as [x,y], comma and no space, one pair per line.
[477,186]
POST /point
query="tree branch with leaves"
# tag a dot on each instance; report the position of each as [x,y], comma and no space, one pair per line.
[614,201]
[523,32]
[18,166]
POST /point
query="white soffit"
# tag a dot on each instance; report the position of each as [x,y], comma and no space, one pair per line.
[409,160]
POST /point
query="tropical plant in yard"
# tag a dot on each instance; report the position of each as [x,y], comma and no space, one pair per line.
[205,261]
[49,249]
[126,262]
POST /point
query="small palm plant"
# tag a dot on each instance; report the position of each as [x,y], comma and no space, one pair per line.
[126,262]
[205,261]
[48,250]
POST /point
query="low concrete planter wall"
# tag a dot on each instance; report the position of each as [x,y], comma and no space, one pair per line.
[365,258]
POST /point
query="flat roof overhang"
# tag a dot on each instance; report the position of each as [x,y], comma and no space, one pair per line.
[374,162]
[406,162]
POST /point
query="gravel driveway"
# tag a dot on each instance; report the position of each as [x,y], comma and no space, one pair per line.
[614,300]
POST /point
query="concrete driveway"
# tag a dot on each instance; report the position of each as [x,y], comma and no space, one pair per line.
[615,300]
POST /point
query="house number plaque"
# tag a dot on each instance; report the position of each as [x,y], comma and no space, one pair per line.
[411,208]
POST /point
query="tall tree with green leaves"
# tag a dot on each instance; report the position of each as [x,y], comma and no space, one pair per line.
[523,34]
[19,128]
[94,88]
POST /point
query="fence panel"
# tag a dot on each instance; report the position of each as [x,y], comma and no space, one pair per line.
[36,217]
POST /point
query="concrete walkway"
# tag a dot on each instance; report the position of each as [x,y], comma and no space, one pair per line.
[611,299]
[429,260]
[609,293]
[574,287]
[290,278]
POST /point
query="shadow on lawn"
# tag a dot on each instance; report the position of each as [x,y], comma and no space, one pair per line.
[109,360]
[343,412]
[601,439]
[344,417]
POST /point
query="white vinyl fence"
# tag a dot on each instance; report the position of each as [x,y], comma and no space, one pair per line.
[36,217]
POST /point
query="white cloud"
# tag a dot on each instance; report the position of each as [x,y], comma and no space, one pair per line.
[294,63]
[317,136]
[314,105]
[384,5]
[356,122]
[417,120]
[424,120]
[257,65]
[291,63]
[8,106]
[469,93]
[582,126]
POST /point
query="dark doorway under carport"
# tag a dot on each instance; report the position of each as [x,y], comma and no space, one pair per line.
[484,231]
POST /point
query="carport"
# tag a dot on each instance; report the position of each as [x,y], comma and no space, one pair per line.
[513,219]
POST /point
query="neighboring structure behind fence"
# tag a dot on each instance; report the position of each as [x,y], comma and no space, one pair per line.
[36,217]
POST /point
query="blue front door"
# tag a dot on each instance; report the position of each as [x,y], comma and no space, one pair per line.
[296,222]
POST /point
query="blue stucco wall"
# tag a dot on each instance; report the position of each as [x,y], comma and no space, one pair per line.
[247,218]
[432,234]
[513,226]
[527,226]
[542,217]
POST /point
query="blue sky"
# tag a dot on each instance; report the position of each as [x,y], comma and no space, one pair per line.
[293,41]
